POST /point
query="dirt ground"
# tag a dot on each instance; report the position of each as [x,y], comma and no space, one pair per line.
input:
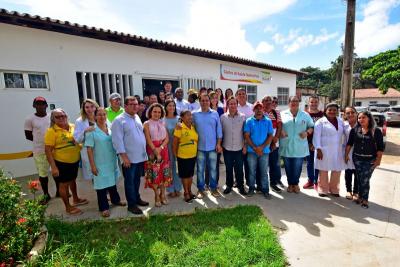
[392,151]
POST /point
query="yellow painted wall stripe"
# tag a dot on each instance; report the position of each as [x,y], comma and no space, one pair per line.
[18,155]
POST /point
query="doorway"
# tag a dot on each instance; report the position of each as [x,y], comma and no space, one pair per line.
[154,86]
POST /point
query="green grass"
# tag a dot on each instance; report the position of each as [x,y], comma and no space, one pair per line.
[239,236]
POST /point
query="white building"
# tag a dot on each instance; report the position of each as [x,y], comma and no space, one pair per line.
[365,97]
[65,63]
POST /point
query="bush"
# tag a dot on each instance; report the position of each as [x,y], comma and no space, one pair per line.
[20,220]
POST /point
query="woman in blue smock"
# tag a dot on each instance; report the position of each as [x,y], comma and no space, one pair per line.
[103,163]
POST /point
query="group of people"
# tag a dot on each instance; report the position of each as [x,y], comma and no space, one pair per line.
[168,137]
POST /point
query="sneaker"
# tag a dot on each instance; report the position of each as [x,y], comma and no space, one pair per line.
[250,193]
[308,185]
[215,193]
[258,190]
[276,189]
[200,194]
[227,190]
[242,191]
[316,186]
[280,184]
[267,195]
[135,210]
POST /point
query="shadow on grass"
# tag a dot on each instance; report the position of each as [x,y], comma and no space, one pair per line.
[225,237]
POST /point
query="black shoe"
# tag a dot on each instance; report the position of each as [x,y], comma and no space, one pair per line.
[258,189]
[335,195]
[322,195]
[227,190]
[135,210]
[142,203]
[280,184]
[276,189]
[250,193]
[267,195]
[242,191]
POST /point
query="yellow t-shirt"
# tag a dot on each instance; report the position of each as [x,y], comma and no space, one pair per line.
[188,138]
[65,148]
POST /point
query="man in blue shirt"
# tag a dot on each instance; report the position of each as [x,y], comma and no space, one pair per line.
[208,127]
[130,144]
[258,132]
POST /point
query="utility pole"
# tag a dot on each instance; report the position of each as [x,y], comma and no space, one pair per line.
[347,70]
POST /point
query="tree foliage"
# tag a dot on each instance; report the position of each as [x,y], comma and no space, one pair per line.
[384,68]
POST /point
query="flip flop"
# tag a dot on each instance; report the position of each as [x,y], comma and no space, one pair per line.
[74,211]
[81,202]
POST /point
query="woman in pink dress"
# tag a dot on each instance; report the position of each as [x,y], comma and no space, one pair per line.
[157,168]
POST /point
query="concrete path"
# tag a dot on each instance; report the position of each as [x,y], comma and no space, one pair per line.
[314,231]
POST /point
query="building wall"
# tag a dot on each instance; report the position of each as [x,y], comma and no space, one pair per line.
[366,101]
[61,56]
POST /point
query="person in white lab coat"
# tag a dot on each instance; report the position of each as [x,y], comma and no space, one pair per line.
[328,142]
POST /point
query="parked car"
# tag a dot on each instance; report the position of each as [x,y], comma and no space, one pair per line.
[393,115]
[361,109]
[381,123]
[379,107]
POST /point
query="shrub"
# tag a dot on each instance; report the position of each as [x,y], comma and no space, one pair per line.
[20,220]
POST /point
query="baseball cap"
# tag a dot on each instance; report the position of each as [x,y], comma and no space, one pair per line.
[39,99]
[115,96]
[258,103]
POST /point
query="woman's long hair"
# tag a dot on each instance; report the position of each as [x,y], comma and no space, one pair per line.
[83,113]
[371,121]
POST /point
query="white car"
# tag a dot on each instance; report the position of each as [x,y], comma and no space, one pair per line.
[393,114]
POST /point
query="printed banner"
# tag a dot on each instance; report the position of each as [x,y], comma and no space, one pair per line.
[244,75]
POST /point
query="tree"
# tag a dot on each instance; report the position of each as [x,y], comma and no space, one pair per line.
[384,68]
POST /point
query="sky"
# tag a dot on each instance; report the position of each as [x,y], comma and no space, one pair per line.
[286,33]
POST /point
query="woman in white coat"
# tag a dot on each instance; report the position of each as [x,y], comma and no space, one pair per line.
[328,142]
[85,123]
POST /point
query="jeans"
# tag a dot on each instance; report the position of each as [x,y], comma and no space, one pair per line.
[209,159]
[132,182]
[348,176]
[176,181]
[293,168]
[261,162]
[102,197]
[312,173]
[364,172]
[207,173]
[234,161]
[274,167]
[246,169]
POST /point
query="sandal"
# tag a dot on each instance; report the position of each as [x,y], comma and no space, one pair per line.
[105,213]
[188,198]
[81,201]
[157,201]
[74,211]
[349,196]
[364,204]
[357,201]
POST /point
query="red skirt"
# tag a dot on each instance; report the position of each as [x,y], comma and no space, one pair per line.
[157,173]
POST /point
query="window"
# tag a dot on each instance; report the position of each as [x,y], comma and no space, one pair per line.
[193,83]
[393,102]
[358,103]
[99,86]
[251,91]
[373,102]
[13,80]
[37,81]
[23,80]
[283,95]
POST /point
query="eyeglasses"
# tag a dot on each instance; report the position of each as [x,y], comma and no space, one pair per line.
[60,116]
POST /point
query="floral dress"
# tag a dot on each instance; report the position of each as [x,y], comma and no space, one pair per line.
[157,172]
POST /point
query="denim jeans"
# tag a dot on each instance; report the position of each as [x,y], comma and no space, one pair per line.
[364,172]
[176,181]
[293,168]
[102,197]
[207,173]
[312,173]
[274,167]
[234,161]
[132,182]
[209,159]
[348,176]
[260,162]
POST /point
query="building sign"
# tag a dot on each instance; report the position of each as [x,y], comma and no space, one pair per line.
[244,75]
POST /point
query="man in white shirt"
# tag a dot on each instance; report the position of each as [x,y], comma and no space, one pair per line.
[244,107]
[35,128]
[181,104]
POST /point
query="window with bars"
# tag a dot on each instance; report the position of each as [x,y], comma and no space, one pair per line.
[198,83]
[283,95]
[23,80]
[99,86]
[251,91]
